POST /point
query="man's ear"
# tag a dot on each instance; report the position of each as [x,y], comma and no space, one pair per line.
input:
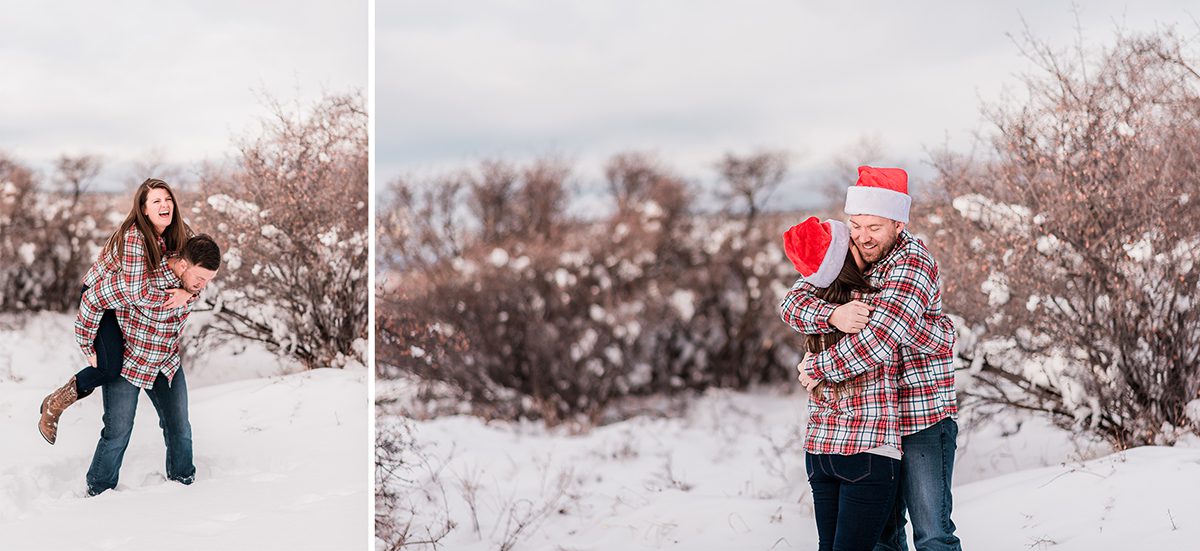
[900,227]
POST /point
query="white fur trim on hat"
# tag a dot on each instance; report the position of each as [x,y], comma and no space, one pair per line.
[835,256]
[879,202]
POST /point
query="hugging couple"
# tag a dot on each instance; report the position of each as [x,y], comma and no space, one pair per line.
[135,300]
[881,432]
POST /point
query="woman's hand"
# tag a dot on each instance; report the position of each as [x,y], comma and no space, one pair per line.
[91,360]
[177,298]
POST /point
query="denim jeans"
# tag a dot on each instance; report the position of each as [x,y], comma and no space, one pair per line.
[925,476]
[852,497]
[120,405]
[110,352]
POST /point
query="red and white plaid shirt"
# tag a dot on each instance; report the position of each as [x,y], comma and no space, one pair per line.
[907,336]
[151,332]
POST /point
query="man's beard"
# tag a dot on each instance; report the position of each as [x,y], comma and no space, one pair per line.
[883,249]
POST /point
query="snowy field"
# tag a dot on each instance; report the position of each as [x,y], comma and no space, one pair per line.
[728,473]
[280,454]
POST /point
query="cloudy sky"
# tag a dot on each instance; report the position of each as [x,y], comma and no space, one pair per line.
[690,79]
[131,79]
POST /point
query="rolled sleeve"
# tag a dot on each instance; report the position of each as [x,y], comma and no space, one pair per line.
[804,312]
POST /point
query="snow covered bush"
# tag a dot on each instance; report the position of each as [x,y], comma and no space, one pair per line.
[1071,250]
[49,235]
[527,311]
[291,218]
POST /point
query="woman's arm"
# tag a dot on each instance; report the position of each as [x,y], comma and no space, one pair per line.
[804,312]
[130,286]
[896,321]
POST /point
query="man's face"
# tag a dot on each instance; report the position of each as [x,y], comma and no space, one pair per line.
[874,235]
[195,278]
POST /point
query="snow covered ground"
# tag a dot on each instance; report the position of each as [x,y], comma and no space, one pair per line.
[280,453]
[728,473]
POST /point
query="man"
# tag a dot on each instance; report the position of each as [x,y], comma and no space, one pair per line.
[904,270]
[151,363]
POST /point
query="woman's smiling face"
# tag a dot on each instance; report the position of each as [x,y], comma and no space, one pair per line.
[159,208]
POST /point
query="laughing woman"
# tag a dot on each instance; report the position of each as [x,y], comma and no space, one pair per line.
[852,442]
[152,231]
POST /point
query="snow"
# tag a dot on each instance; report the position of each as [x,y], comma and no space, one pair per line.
[725,470]
[280,455]
[498,257]
[684,303]
[996,288]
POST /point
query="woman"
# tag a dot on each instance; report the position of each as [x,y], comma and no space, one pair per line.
[852,443]
[152,230]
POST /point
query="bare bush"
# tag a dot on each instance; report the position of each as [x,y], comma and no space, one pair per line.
[407,483]
[49,236]
[1074,245]
[528,312]
[292,218]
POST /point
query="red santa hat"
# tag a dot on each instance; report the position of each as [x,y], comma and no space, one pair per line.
[881,192]
[817,249]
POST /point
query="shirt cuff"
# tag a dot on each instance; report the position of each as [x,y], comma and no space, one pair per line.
[821,367]
[824,311]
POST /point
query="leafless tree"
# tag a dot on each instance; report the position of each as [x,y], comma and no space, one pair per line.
[749,180]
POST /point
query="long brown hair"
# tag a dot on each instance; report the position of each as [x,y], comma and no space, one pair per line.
[841,291]
[175,234]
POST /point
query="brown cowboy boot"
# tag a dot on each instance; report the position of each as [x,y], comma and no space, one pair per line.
[52,408]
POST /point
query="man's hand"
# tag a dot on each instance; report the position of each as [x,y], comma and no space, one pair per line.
[91,360]
[177,298]
[808,382]
[851,317]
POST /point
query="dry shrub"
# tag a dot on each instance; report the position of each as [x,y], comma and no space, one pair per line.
[49,235]
[527,311]
[291,216]
[1071,249]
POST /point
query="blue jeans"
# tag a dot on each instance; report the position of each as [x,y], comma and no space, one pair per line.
[925,476]
[852,498]
[120,405]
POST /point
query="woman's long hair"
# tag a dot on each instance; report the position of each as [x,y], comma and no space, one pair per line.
[841,291]
[175,235]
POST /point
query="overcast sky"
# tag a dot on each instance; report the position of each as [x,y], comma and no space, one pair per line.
[690,79]
[127,79]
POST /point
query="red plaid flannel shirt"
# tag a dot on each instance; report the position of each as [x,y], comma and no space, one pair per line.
[151,332]
[907,334]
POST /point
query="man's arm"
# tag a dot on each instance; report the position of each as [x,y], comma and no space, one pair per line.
[804,312]
[899,320]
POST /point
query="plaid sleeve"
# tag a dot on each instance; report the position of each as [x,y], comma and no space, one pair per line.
[941,337]
[161,314]
[898,320]
[87,323]
[131,285]
[804,312]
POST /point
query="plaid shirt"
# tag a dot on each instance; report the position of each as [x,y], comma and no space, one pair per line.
[907,335]
[151,332]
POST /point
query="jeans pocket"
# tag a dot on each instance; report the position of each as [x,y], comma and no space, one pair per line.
[851,468]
